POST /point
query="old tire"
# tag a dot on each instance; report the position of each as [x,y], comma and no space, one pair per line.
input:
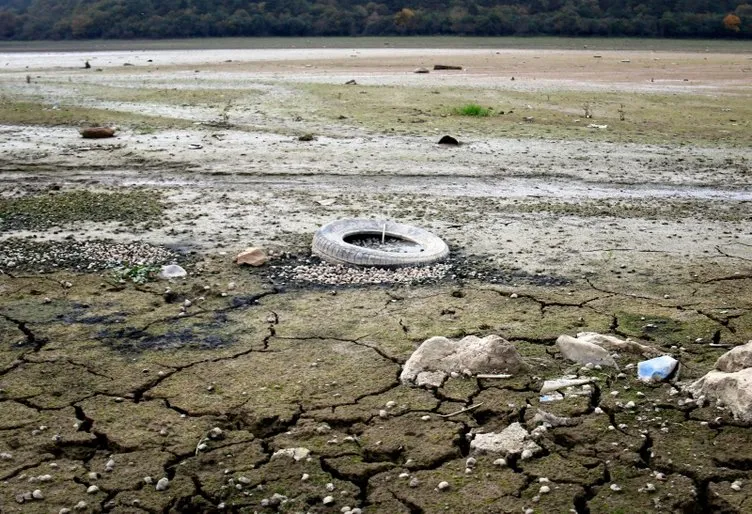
[329,244]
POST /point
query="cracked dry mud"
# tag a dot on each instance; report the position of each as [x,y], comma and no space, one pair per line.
[104,382]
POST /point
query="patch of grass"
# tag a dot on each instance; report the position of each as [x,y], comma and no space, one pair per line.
[472,110]
[137,273]
[46,210]
[28,112]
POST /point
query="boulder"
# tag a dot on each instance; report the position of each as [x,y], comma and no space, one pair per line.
[437,357]
[513,440]
[612,343]
[735,359]
[252,257]
[734,390]
[584,352]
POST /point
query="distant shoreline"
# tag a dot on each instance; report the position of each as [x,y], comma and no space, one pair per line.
[562,43]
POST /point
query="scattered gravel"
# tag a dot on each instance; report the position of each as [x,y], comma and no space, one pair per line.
[328,274]
[28,255]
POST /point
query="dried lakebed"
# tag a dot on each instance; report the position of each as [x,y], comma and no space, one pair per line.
[277,388]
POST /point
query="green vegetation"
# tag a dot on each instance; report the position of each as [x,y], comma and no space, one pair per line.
[472,110]
[46,210]
[136,273]
[72,19]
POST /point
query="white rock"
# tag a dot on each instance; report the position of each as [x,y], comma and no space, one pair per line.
[414,482]
[148,480]
[328,500]
[37,494]
[81,505]
[110,465]
[172,271]
[615,487]
[6,456]
[64,510]
[733,390]
[438,357]
[92,489]
[545,489]
[443,486]
[612,343]
[162,484]
[512,440]
[305,477]
[584,352]
[735,359]
[561,383]
[296,454]
[330,487]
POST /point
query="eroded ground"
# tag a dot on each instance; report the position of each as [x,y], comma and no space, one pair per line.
[639,230]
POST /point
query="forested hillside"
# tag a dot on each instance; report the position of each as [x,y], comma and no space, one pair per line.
[80,19]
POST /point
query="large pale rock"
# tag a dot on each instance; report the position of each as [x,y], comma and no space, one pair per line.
[252,257]
[735,359]
[437,357]
[612,343]
[296,454]
[734,390]
[584,352]
[513,440]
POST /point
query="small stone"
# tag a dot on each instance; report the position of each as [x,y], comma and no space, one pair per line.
[630,405]
[163,484]
[64,510]
[328,500]
[81,505]
[414,482]
[527,454]
[471,462]
[92,489]
[615,488]
[425,418]
[6,456]
[650,487]
[252,257]
[110,465]
[148,480]
[443,486]
[391,404]
[305,477]
[37,494]
[545,489]
[383,413]
[736,485]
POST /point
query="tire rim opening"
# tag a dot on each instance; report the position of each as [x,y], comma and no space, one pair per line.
[391,244]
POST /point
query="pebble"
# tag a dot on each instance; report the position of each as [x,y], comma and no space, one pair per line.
[330,487]
[328,500]
[470,462]
[163,484]
[391,404]
[443,486]
[545,489]
[426,418]
[414,482]
[110,465]
[81,505]
[148,480]
[500,462]
[6,456]
[615,488]
[64,510]
[37,494]
[383,413]
[736,485]
[92,489]
[649,487]
[305,477]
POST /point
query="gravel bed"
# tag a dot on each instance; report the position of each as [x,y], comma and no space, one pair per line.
[328,274]
[25,255]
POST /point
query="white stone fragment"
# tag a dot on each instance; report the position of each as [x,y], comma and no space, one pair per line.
[328,500]
[92,489]
[443,486]
[162,484]
[37,494]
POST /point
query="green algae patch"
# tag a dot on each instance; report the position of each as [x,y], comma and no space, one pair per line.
[64,208]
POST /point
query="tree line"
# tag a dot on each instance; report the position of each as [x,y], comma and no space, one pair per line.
[128,19]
